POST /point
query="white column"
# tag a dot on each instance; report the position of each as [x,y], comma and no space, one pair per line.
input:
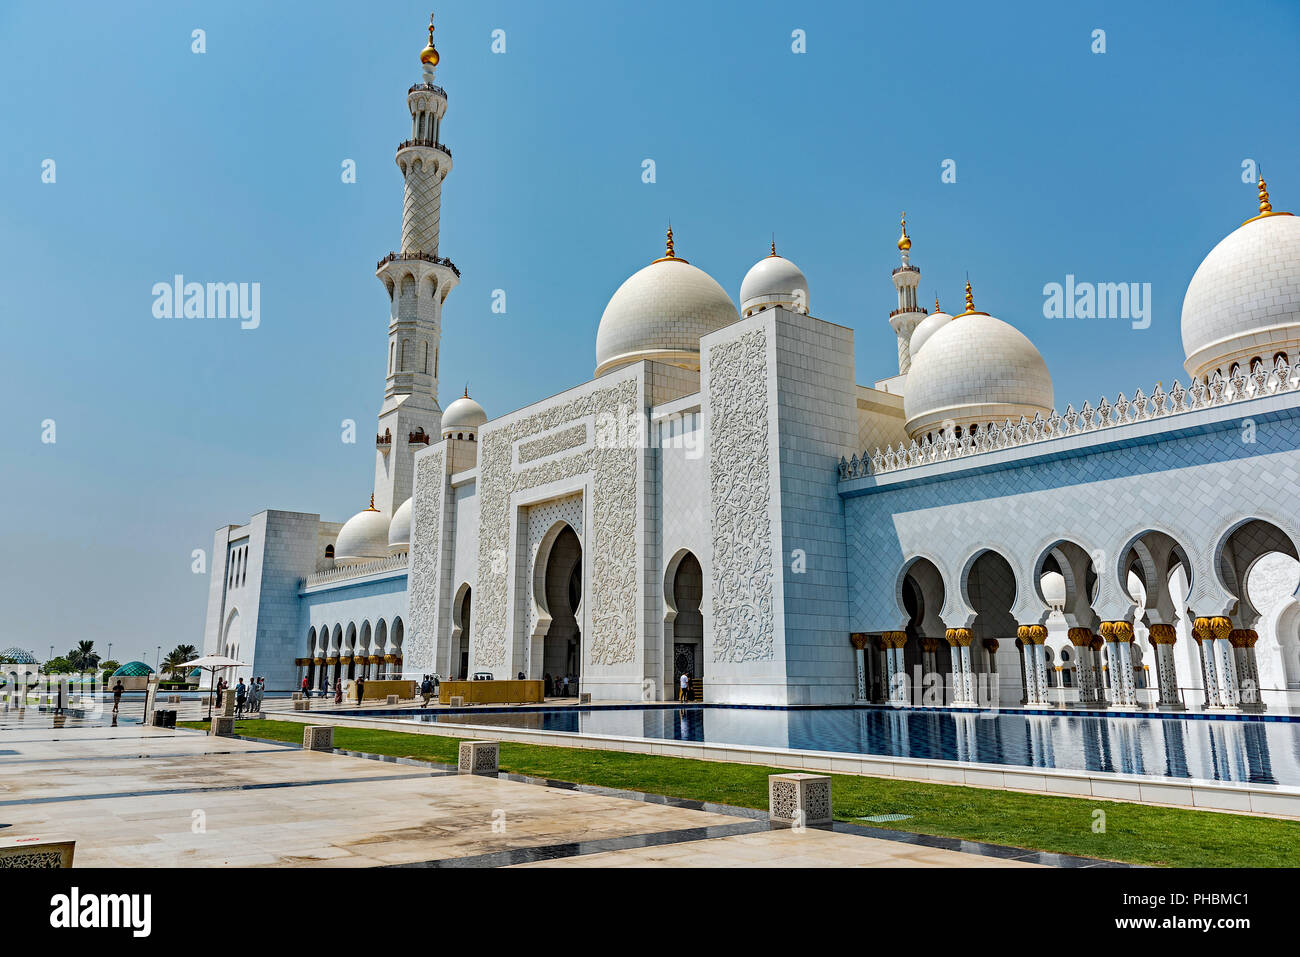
[1209,674]
[1162,639]
[860,663]
[1243,643]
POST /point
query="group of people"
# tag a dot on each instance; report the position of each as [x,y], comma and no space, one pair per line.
[561,686]
[248,697]
[324,689]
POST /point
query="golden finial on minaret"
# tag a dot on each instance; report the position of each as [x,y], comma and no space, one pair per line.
[904,244]
[372,503]
[429,55]
[773,247]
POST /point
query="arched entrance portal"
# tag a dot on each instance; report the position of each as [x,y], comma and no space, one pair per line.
[562,642]
[684,623]
[460,634]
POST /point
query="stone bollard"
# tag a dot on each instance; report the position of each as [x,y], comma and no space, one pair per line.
[799,799]
[318,737]
[223,725]
[228,704]
[173,699]
[16,853]
[584,697]
[392,699]
[302,704]
[456,701]
[296,696]
[478,757]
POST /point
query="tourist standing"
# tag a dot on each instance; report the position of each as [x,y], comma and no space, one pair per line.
[338,691]
[685,684]
[241,695]
[117,695]
[361,690]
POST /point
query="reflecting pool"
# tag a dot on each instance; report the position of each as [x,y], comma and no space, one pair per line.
[1261,752]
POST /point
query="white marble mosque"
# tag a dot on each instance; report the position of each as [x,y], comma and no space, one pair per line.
[723,499]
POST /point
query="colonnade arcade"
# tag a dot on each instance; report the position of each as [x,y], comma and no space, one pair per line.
[1093,630]
[348,651]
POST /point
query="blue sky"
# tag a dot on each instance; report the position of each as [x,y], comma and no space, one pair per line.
[1115,167]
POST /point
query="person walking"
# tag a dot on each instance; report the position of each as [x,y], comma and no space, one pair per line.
[426,690]
[324,685]
[117,695]
[306,687]
[338,691]
[241,697]
[685,684]
[361,690]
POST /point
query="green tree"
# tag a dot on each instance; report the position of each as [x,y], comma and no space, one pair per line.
[57,666]
[177,657]
[83,658]
[108,668]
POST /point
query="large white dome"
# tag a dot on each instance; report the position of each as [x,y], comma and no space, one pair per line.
[660,313]
[975,370]
[925,329]
[774,281]
[463,414]
[363,538]
[1244,300]
[399,529]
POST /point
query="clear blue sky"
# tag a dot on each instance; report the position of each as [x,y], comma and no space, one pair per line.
[1123,166]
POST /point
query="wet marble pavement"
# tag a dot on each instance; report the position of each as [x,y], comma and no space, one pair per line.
[134,796]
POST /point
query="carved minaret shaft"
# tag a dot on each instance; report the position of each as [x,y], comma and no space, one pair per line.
[417,281]
[904,319]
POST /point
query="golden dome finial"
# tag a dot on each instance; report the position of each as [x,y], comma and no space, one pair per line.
[429,55]
[467,390]
[773,244]
[970,300]
[904,244]
[1264,205]
[936,304]
[372,503]
[670,255]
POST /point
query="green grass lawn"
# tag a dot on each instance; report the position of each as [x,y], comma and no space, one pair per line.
[1134,833]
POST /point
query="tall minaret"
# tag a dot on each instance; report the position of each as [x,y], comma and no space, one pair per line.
[418,282]
[904,319]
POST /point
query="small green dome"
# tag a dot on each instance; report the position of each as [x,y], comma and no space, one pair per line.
[133,669]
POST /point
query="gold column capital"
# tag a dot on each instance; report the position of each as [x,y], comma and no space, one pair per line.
[893,639]
[1221,628]
[958,637]
[1080,637]
[1163,634]
[991,645]
[859,640]
[1120,631]
[1201,629]
[1243,638]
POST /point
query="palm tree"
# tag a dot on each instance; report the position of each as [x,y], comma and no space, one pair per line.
[84,657]
[177,657]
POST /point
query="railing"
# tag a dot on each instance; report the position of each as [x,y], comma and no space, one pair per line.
[418,437]
[428,88]
[344,572]
[419,141]
[1141,408]
[424,257]
[899,312]
[898,269]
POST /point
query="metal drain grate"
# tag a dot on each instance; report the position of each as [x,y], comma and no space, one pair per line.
[885,818]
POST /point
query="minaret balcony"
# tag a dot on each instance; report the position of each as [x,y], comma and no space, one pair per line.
[418,437]
[420,257]
[897,269]
[920,310]
[384,443]
[428,88]
[427,143]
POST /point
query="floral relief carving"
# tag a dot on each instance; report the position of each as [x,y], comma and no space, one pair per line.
[613,464]
[425,562]
[740,483]
[553,444]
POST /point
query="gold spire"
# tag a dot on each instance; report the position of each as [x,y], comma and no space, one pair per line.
[904,244]
[936,304]
[372,503]
[429,55]
[467,390]
[970,303]
[773,247]
[669,255]
[1265,207]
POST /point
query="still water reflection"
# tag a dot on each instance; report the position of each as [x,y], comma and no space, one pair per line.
[1252,751]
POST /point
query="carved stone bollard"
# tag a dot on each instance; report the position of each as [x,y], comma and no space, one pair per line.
[228,704]
[302,704]
[799,799]
[296,696]
[456,701]
[14,853]
[478,757]
[318,737]
[584,697]
[392,699]
[223,726]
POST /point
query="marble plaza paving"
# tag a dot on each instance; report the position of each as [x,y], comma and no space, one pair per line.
[132,796]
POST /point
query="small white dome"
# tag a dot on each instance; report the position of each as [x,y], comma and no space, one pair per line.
[399,529]
[1053,586]
[925,329]
[774,281]
[464,413]
[1244,300]
[363,538]
[975,370]
[660,312]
